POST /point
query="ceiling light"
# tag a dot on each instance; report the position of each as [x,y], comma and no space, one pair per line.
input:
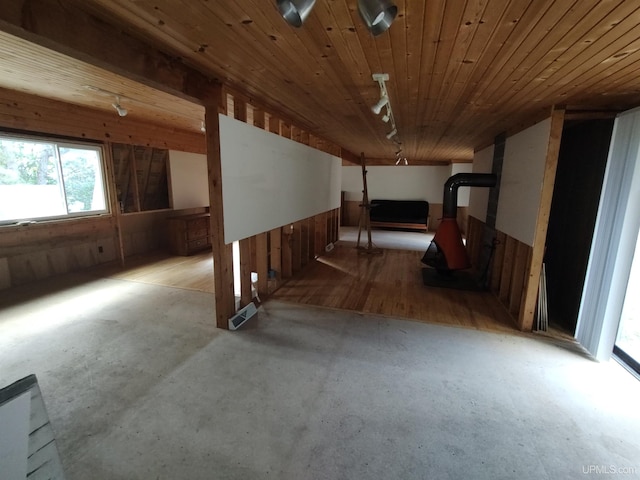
[385,118]
[377,15]
[377,108]
[392,133]
[203,129]
[295,12]
[121,110]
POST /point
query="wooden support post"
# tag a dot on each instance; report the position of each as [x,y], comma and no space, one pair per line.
[296,263]
[287,251]
[311,254]
[276,253]
[222,253]
[321,233]
[520,265]
[498,259]
[304,242]
[525,320]
[240,113]
[262,264]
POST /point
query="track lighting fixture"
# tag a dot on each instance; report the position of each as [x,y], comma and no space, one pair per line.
[385,118]
[295,12]
[377,108]
[202,127]
[377,15]
[119,108]
[392,134]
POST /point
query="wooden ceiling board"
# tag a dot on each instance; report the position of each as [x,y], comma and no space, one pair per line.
[460,71]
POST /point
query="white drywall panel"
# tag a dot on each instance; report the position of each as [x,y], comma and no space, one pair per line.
[525,156]
[402,182]
[479,197]
[463,192]
[269,181]
[14,441]
[189,180]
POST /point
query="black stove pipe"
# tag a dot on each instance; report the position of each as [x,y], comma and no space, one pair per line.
[450,200]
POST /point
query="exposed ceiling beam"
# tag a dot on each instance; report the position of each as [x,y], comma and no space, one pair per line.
[70,31]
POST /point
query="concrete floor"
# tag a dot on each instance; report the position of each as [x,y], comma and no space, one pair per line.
[140,385]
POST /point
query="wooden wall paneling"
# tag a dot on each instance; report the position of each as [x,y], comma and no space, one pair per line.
[312,239]
[222,253]
[274,124]
[22,111]
[259,119]
[506,271]
[285,129]
[275,255]
[525,320]
[321,233]
[498,259]
[296,263]
[520,265]
[113,199]
[287,251]
[262,261]
[305,242]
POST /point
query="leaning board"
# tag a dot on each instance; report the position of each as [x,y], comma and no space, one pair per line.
[269,181]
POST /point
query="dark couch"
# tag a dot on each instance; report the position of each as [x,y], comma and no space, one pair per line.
[409,214]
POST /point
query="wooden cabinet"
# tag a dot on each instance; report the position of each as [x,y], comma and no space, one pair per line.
[189,233]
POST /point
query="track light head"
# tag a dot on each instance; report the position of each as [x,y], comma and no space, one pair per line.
[120,109]
[392,134]
[377,15]
[377,108]
[385,118]
[295,12]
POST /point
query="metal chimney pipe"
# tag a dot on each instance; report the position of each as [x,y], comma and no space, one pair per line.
[450,199]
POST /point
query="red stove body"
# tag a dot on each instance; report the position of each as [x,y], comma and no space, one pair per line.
[447,251]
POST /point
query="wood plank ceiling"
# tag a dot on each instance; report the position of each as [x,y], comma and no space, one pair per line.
[460,71]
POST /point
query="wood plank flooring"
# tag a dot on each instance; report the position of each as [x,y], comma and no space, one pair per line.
[192,273]
[390,284]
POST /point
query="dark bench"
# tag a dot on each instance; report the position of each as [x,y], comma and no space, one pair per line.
[406,214]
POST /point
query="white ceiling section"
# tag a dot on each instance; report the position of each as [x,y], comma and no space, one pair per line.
[460,72]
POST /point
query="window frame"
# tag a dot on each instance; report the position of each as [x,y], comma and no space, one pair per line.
[59,143]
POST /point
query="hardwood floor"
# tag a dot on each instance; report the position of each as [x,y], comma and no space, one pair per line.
[390,284]
[192,273]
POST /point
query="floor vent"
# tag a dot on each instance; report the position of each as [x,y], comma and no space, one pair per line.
[242,316]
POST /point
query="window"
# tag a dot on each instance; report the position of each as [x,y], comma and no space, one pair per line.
[41,179]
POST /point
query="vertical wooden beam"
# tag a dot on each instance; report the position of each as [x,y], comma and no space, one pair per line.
[287,251]
[262,264]
[240,113]
[304,242]
[296,263]
[276,252]
[525,319]
[321,233]
[222,253]
[312,238]
[274,124]
[113,199]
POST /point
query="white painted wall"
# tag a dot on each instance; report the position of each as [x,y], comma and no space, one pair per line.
[269,181]
[402,182]
[189,179]
[479,197]
[521,183]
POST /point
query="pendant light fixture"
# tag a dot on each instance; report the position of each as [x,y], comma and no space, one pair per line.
[295,12]
[377,15]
